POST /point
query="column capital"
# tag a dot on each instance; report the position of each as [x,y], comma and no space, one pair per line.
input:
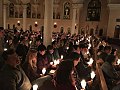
[24,6]
[77,5]
[114,6]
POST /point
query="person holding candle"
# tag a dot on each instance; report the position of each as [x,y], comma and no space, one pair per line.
[112,76]
[42,61]
[63,78]
[30,65]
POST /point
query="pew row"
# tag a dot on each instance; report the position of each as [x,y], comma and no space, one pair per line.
[100,76]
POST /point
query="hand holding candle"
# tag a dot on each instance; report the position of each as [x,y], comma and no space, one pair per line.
[35,87]
[61,56]
[43,71]
[92,75]
[83,84]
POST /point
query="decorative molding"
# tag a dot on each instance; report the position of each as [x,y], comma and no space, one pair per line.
[114,6]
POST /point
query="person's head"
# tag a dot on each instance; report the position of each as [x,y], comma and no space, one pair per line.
[41,49]
[63,72]
[11,57]
[76,49]
[114,52]
[108,49]
[50,49]
[75,57]
[101,48]
[83,47]
[31,57]
[54,44]
[38,42]
[111,59]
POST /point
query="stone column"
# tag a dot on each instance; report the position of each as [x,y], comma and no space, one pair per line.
[73,19]
[79,8]
[24,17]
[4,15]
[48,22]
[1,15]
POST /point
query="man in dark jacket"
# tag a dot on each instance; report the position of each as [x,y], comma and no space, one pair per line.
[12,75]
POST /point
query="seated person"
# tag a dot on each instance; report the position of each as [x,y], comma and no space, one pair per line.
[42,61]
[30,65]
[12,75]
[111,75]
[63,79]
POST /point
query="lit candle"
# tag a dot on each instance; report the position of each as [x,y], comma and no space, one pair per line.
[67,48]
[83,84]
[92,75]
[43,71]
[118,61]
[35,87]
[30,42]
[90,61]
[61,56]
[5,49]
[7,41]
[51,63]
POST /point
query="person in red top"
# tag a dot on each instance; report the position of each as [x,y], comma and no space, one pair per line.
[63,79]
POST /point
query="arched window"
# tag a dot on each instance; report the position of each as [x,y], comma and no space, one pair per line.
[11,10]
[67,10]
[28,10]
[94,10]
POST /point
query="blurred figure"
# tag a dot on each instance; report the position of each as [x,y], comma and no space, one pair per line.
[13,77]
[112,76]
[42,61]
[30,65]
[63,78]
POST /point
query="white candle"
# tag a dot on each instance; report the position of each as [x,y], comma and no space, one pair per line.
[35,87]
[43,71]
[118,61]
[83,84]
[30,42]
[90,61]
[92,74]
[51,63]
[5,49]
[61,56]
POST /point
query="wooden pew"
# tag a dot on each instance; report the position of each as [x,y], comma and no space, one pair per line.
[100,77]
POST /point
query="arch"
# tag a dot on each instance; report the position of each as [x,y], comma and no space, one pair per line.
[28,10]
[117,31]
[66,10]
[11,10]
[61,29]
[93,10]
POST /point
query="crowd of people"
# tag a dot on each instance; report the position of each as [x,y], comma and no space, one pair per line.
[71,56]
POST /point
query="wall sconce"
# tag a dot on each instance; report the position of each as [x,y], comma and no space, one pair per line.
[55,25]
[18,23]
[36,24]
[75,26]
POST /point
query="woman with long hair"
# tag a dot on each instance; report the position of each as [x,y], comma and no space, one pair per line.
[63,79]
[30,66]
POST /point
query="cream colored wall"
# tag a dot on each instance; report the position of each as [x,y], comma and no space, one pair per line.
[1,14]
[60,23]
[92,24]
[114,14]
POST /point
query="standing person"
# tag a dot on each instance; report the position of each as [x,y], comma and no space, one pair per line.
[30,65]
[63,78]
[13,77]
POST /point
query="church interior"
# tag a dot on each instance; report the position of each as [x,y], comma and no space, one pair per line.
[60,44]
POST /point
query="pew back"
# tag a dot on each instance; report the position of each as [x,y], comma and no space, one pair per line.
[101,79]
